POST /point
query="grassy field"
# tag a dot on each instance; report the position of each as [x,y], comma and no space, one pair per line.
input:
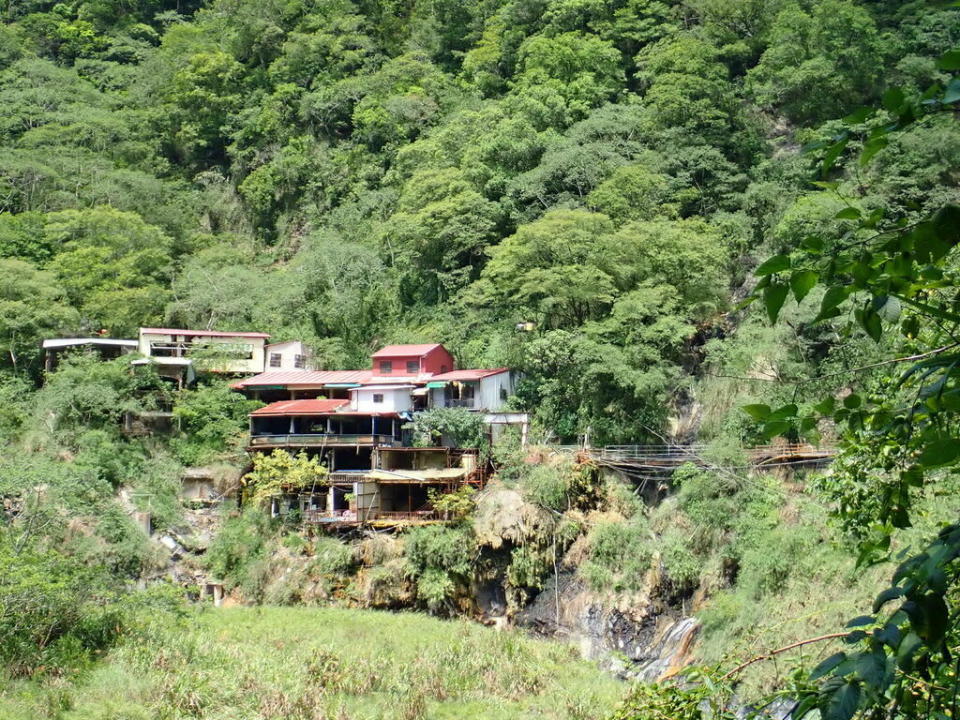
[312,664]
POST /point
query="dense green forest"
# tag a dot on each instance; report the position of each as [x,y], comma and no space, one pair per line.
[351,173]
[621,176]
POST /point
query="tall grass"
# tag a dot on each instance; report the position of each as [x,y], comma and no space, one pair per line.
[307,664]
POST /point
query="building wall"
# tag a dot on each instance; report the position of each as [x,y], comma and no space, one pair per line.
[288,352]
[367,499]
[435,362]
[487,394]
[490,396]
[252,365]
[394,400]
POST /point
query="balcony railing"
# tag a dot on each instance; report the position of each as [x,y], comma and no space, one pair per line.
[315,440]
[469,404]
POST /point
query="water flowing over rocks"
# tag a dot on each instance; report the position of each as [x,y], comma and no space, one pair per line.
[636,637]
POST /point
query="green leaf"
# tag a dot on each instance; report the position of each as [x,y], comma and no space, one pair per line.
[832,299]
[871,148]
[827,665]
[940,452]
[893,100]
[908,647]
[773,265]
[849,213]
[888,308]
[834,152]
[872,325]
[952,93]
[843,703]
[784,412]
[826,406]
[852,401]
[872,669]
[859,115]
[757,412]
[773,298]
[802,282]
[777,427]
[937,618]
[949,60]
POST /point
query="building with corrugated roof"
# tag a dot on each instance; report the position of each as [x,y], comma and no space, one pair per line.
[354,420]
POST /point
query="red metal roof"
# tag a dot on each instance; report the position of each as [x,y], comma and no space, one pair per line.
[202,333]
[462,375]
[405,350]
[305,378]
[301,407]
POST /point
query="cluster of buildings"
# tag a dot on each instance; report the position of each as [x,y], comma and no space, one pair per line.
[355,421]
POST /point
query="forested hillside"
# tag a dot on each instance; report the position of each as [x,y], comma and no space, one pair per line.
[588,191]
[354,173]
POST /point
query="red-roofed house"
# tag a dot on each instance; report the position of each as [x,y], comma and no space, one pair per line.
[352,418]
[411,360]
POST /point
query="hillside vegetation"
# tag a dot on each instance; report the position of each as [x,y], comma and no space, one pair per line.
[591,192]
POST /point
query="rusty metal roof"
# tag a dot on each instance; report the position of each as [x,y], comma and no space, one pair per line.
[461,375]
[301,407]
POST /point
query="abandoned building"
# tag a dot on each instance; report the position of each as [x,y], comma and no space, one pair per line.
[106,348]
[175,353]
[354,421]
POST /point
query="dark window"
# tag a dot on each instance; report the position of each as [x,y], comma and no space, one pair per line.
[503,393]
[386,367]
[275,359]
[466,391]
[299,361]
[413,367]
[378,397]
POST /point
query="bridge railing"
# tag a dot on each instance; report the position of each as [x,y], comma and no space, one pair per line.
[678,454]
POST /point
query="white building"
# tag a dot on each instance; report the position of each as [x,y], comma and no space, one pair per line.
[290,355]
[481,390]
[382,398]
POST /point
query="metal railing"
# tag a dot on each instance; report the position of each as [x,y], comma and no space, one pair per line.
[674,455]
[469,404]
[318,440]
[404,515]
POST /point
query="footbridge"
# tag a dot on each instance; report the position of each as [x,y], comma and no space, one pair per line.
[659,461]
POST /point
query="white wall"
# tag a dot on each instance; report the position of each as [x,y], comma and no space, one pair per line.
[490,387]
[288,352]
[486,396]
[394,400]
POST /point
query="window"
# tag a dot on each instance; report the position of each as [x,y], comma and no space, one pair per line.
[378,397]
[300,361]
[275,359]
[413,367]
[503,393]
[386,367]
[466,392]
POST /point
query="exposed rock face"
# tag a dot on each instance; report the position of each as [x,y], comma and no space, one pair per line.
[634,636]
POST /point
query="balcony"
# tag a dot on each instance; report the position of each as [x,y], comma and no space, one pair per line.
[468,403]
[319,441]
